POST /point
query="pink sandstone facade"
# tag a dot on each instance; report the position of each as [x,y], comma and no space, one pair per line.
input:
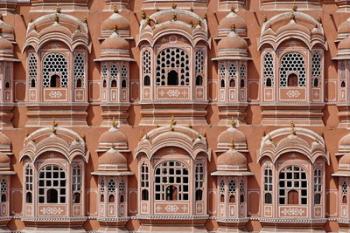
[174,116]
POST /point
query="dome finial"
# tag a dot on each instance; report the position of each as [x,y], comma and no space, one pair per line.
[174,17]
[58,10]
[234,123]
[143,15]
[292,126]
[172,122]
[174,6]
[54,126]
[115,123]
[233,28]
[115,9]
[57,18]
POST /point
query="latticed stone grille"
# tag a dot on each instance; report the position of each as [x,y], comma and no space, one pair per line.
[292,63]
[316,68]
[52,177]
[76,177]
[111,186]
[199,179]
[292,178]
[32,68]
[171,173]
[55,63]
[172,59]
[146,62]
[199,62]
[268,70]
[79,68]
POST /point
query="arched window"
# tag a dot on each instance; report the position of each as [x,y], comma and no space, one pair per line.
[114,75]
[199,181]
[222,72]
[102,189]
[173,78]
[79,69]
[124,75]
[222,191]
[144,182]
[171,181]
[121,191]
[52,185]
[268,185]
[76,183]
[241,191]
[268,70]
[111,190]
[316,68]
[55,64]
[199,81]
[232,83]
[292,63]
[292,186]
[3,190]
[232,191]
[29,184]
[146,81]
[146,68]
[317,186]
[32,69]
[344,193]
[104,75]
[55,81]
[173,67]
[343,84]
[292,80]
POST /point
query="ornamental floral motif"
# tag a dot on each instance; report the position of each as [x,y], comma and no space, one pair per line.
[293,93]
[293,212]
[51,211]
[171,208]
[173,93]
[55,94]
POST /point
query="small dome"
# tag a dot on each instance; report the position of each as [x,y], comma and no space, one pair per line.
[344,27]
[344,44]
[345,160]
[232,135]
[293,26]
[115,42]
[232,41]
[5,44]
[115,21]
[345,141]
[232,20]
[112,157]
[232,160]
[4,159]
[113,135]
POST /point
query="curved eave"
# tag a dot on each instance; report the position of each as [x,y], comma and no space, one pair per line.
[231,58]
[9,59]
[112,173]
[232,173]
[8,173]
[114,59]
[341,174]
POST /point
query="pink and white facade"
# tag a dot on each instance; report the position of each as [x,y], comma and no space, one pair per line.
[174,116]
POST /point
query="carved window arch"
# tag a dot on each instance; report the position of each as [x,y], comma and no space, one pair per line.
[52,184]
[241,191]
[293,186]
[172,67]
[171,181]
[292,65]
[242,75]
[124,76]
[55,70]
[28,184]
[79,70]
[232,75]
[269,74]
[111,190]
[114,76]
[268,185]
[102,189]
[222,75]
[32,70]
[104,75]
